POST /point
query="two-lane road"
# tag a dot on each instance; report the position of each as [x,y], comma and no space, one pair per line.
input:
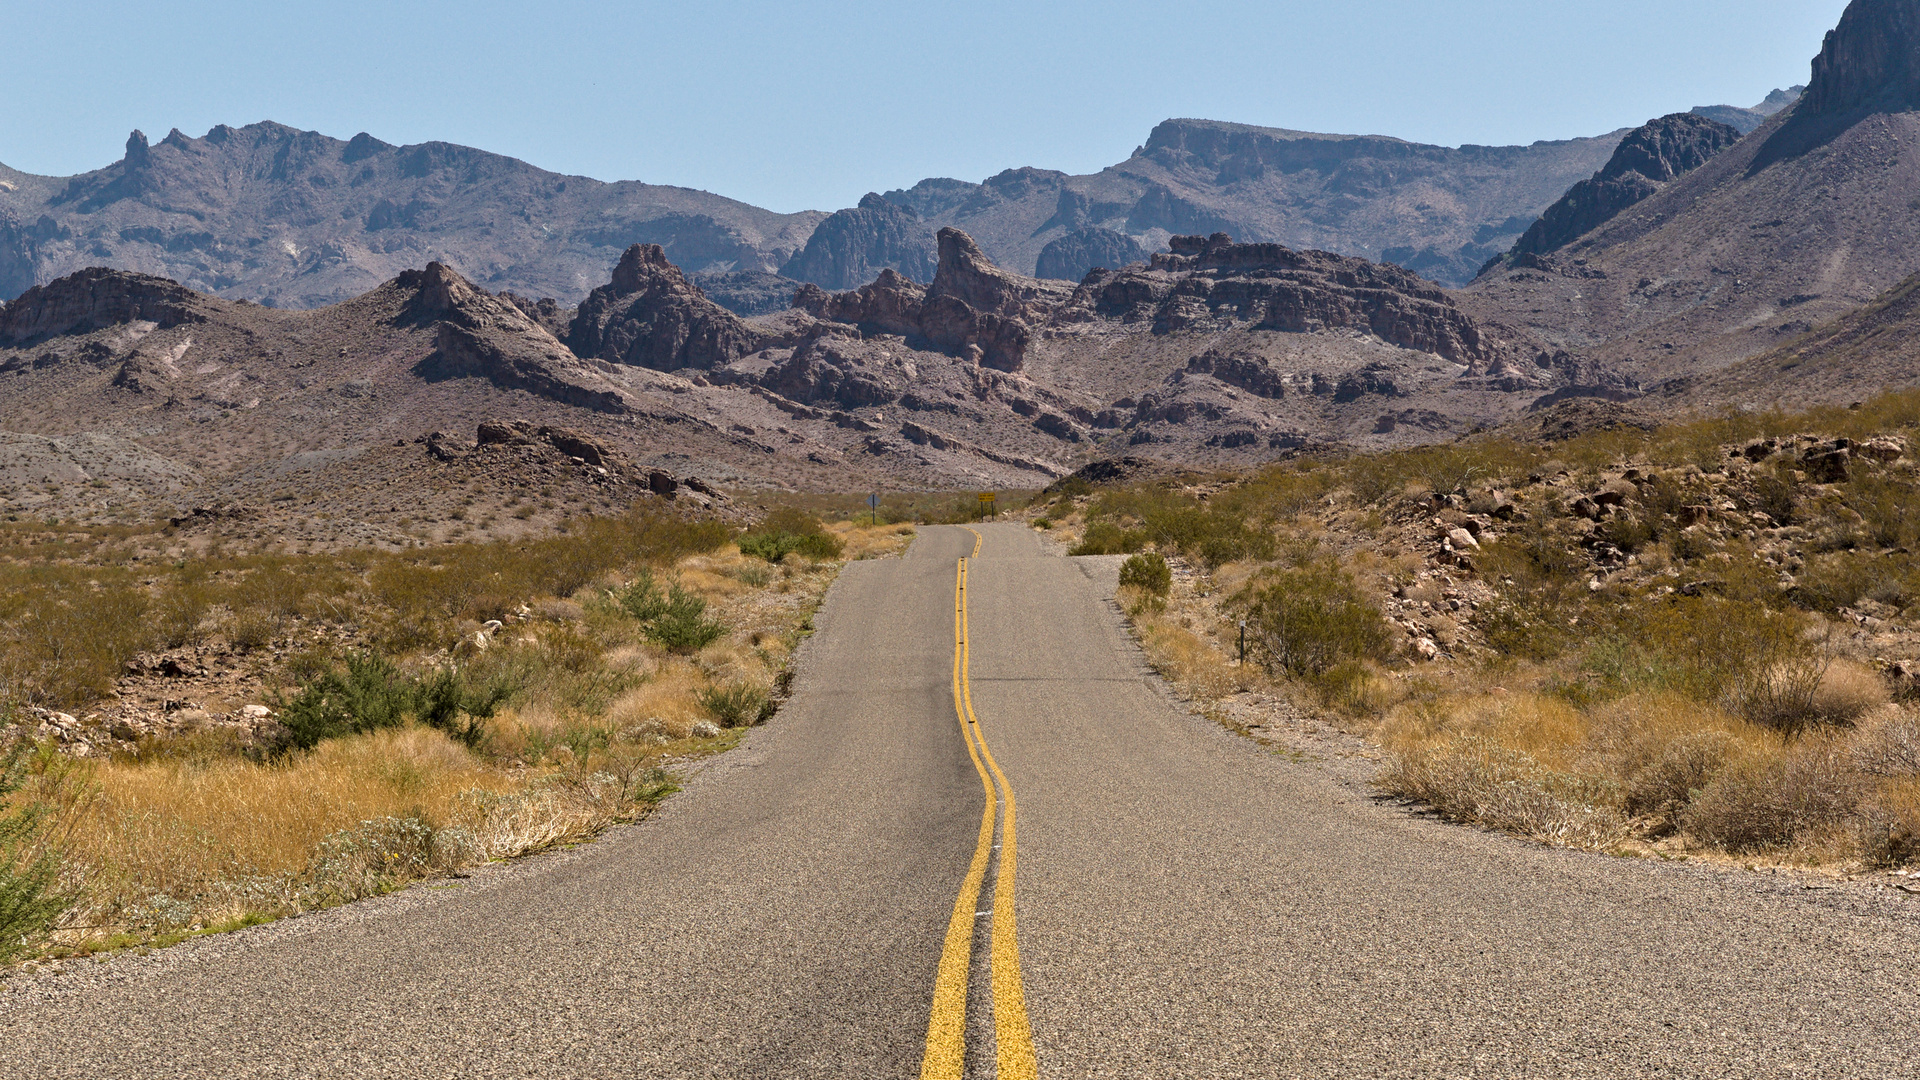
[1188,905]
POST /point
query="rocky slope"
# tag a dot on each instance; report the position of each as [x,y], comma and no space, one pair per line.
[1852,358]
[1215,353]
[1661,151]
[1746,121]
[1806,219]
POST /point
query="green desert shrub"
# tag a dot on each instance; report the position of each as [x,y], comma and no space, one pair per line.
[736,704]
[786,532]
[30,897]
[1148,572]
[1311,621]
[1107,538]
[368,692]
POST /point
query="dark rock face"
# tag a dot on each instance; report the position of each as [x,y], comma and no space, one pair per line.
[852,246]
[1212,279]
[546,312]
[92,299]
[1073,255]
[835,370]
[1663,150]
[973,308]
[483,336]
[652,316]
[1872,59]
[1250,373]
[747,293]
[16,259]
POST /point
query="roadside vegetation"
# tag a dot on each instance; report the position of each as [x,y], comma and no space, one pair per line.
[376,717]
[1701,640]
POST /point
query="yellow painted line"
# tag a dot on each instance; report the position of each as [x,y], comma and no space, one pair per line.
[1013,1036]
[946,1054]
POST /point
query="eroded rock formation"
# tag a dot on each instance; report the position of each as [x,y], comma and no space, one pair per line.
[1663,150]
[484,336]
[1872,59]
[651,316]
[1207,280]
[852,246]
[972,309]
[95,298]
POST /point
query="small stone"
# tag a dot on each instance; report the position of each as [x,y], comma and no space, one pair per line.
[1461,540]
[1426,649]
[255,712]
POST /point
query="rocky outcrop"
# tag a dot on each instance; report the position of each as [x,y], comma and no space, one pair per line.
[1248,372]
[839,371]
[566,440]
[93,299]
[545,313]
[1070,257]
[651,316]
[1663,150]
[852,246]
[1871,60]
[16,258]
[482,336]
[1209,281]
[973,309]
[747,293]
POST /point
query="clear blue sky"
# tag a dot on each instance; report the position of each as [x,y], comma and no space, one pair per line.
[796,105]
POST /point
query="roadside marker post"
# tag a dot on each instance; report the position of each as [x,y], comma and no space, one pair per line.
[873,504]
[1243,643]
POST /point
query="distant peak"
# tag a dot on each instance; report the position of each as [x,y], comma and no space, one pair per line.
[138,153]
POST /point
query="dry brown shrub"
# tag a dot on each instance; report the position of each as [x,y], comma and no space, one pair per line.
[1186,658]
[1666,747]
[1773,801]
[1847,693]
[1477,780]
[1889,832]
[665,705]
[1889,745]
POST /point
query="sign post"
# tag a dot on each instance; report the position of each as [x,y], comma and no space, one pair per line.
[987,507]
[873,504]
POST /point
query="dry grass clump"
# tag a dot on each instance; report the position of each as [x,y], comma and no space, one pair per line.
[1177,651]
[1654,765]
[218,828]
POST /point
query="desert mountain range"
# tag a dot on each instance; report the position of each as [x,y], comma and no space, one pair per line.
[1226,296]
[297,219]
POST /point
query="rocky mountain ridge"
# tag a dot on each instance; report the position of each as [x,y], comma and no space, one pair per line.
[297,219]
[1217,352]
[1803,221]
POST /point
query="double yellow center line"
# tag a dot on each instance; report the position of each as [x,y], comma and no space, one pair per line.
[947,1028]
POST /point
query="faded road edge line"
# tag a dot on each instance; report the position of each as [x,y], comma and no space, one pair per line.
[946,1053]
[1013,1035]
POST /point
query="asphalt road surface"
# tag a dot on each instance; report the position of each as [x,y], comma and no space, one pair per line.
[1188,905]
